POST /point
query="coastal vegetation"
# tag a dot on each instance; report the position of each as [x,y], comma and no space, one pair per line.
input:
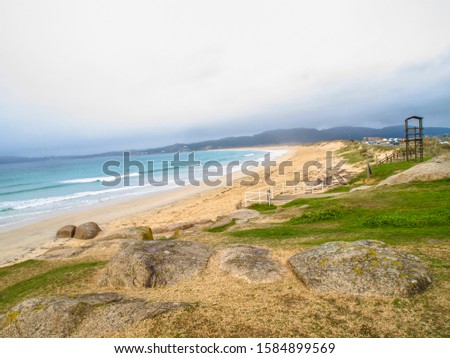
[222,228]
[224,298]
[33,277]
[263,208]
[378,173]
[408,214]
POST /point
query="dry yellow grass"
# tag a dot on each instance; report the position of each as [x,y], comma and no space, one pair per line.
[224,306]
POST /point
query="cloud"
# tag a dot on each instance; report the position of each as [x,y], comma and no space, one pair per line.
[82,76]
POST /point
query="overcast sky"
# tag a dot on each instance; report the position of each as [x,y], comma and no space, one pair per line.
[89,76]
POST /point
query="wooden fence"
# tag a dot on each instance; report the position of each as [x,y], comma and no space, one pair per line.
[266,194]
[396,156]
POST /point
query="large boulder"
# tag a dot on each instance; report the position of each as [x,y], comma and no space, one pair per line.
[90,315]
[434,169]
[250,263]
[240,216]
[221,222]
[87,231]
[66,232]
[90,249]
[133,233]
[244,215]
[368,268]
[180,226]
[155,263]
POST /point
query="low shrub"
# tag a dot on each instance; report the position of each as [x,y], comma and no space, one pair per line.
[316,216]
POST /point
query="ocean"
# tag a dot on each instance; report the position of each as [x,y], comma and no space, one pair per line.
[33,191]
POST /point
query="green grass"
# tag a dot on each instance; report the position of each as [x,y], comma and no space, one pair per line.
[353,152]
[263,208]
[311,202]
[405,214]
[440,267]
[221,228]
[383,171]
[316,216]
[354,156]
[405,219]
[43,283]
[5,271]
[356,153]
[379,173]
[147,233]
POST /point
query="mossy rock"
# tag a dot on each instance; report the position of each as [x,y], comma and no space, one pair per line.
[89,315]
[252,264]
[155,263]
[367,267]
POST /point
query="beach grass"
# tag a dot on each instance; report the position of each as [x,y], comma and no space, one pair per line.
[44,279]
[8,270]
[263,208]
[221,228]
[378,174]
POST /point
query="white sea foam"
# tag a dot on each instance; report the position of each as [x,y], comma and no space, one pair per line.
[95,179]
[23,207]
[86,180]
[50,201]
[96,196]
[277,153]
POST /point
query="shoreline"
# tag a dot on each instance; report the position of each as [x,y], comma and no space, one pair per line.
[37,237]
[182,204]
[278,152]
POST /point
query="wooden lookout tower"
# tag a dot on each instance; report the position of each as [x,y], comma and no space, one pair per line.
[414,138]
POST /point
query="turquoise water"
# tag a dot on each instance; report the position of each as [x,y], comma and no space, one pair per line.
[30,191]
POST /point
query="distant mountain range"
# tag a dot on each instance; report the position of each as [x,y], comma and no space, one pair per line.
[273,137]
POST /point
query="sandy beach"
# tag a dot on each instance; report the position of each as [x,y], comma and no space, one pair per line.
[184,204]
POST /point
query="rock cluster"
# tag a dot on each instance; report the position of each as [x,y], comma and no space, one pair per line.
[84,231]
[367,268]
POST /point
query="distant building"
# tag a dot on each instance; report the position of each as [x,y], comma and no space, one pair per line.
[372,139]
